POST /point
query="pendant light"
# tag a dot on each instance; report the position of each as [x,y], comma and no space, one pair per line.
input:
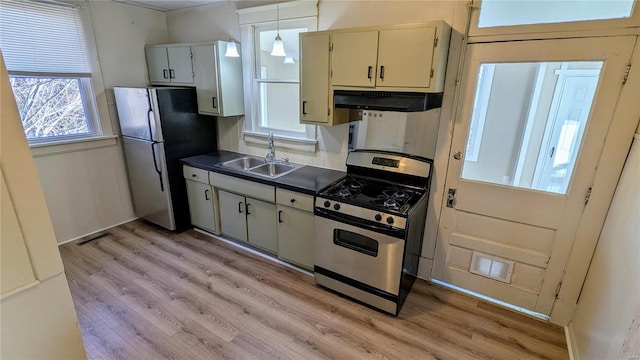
[278,45]
[232,48]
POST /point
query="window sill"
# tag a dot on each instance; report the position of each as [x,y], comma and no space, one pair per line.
[72,145]
[284,142]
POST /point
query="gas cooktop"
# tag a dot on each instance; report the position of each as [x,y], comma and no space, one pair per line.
[373,194]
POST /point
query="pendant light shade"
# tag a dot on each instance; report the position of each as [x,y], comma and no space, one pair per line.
[232,49]
[289,60]
[278,45]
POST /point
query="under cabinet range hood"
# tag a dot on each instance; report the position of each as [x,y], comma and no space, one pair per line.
[386,101]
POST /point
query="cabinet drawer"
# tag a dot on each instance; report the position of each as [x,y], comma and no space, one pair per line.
[294,199]
[195,174]
[244,187]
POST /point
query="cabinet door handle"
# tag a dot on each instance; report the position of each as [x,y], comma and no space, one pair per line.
[304,107]
[240,206]
[165,74]
[172,74]
[247,207]
[293,200]
[214,102]
[382,72]
[280,216]
[369,72]
[206,194]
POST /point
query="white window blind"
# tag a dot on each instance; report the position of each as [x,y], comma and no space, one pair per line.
[42,37]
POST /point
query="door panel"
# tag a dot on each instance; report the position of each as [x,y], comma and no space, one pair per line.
[157,64]
[205,60]
[134,111]
[406,71]
[149,182]
[233,220]
[314,87]
[354,58]
[497,209]
[261,225]
[201,205]
[180,66]
[295,236]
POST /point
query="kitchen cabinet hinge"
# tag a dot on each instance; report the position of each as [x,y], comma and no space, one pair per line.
[432,72]
[331,73]
[330,47]
[435,42]
[626,74]
[328,111]
[587,196]
[558,289]
[472,6]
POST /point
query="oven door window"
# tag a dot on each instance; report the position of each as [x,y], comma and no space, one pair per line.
[356,242]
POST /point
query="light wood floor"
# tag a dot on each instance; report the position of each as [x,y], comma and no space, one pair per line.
[143,293]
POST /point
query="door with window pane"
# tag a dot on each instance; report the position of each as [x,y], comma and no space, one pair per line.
[529,133]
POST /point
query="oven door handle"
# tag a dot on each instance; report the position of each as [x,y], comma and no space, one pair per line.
[399,233]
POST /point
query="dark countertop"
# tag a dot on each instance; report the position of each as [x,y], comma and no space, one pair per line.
[307,179]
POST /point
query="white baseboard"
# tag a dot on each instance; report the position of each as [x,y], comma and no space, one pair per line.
[571,345]
[97,231]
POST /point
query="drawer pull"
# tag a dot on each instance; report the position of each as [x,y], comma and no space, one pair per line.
[280,216]
[293,200]
[194,175]
[240,207]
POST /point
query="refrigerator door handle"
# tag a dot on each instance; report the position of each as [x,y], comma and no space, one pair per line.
[155,164]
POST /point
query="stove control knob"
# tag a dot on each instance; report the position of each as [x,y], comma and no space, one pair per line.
[327,204]
[336,206]
[389,220]
[378,217]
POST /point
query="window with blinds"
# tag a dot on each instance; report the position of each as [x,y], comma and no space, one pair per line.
[44,49]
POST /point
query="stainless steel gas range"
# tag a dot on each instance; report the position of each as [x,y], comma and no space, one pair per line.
[369,226]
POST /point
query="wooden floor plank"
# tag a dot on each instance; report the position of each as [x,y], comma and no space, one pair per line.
[143,292]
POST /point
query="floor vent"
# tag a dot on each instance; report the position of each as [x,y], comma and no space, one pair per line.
[492,267]
[93,238]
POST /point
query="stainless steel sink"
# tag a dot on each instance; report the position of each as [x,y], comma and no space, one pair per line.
[259,167]
[272,170]
[243,163]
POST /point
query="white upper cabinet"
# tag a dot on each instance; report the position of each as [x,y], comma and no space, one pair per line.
[402,58]
[218,80]
[169,64]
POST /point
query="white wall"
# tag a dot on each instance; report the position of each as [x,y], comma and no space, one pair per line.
[607,319]
[85,184]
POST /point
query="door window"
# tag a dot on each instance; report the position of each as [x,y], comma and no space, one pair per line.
[528,121]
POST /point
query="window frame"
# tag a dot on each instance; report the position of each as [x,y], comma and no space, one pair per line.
[88,104]
[292,15]
[546,30]
[92,91]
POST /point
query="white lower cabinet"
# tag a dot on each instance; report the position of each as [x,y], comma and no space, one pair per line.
[272,219]
[295,236]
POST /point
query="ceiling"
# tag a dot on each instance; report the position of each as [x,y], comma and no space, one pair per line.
[169,5]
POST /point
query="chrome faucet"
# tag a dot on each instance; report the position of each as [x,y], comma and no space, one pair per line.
[271,155]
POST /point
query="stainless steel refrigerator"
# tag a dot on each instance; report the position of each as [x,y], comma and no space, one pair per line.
[160,126]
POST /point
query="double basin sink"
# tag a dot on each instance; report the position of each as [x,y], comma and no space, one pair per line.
[259,167]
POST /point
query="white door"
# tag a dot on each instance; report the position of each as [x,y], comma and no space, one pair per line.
[157,64]
[207,84]
[261,225]
[200,198]
[504,237]
[410,70]
[233,220]
[353,58]
[180,65]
